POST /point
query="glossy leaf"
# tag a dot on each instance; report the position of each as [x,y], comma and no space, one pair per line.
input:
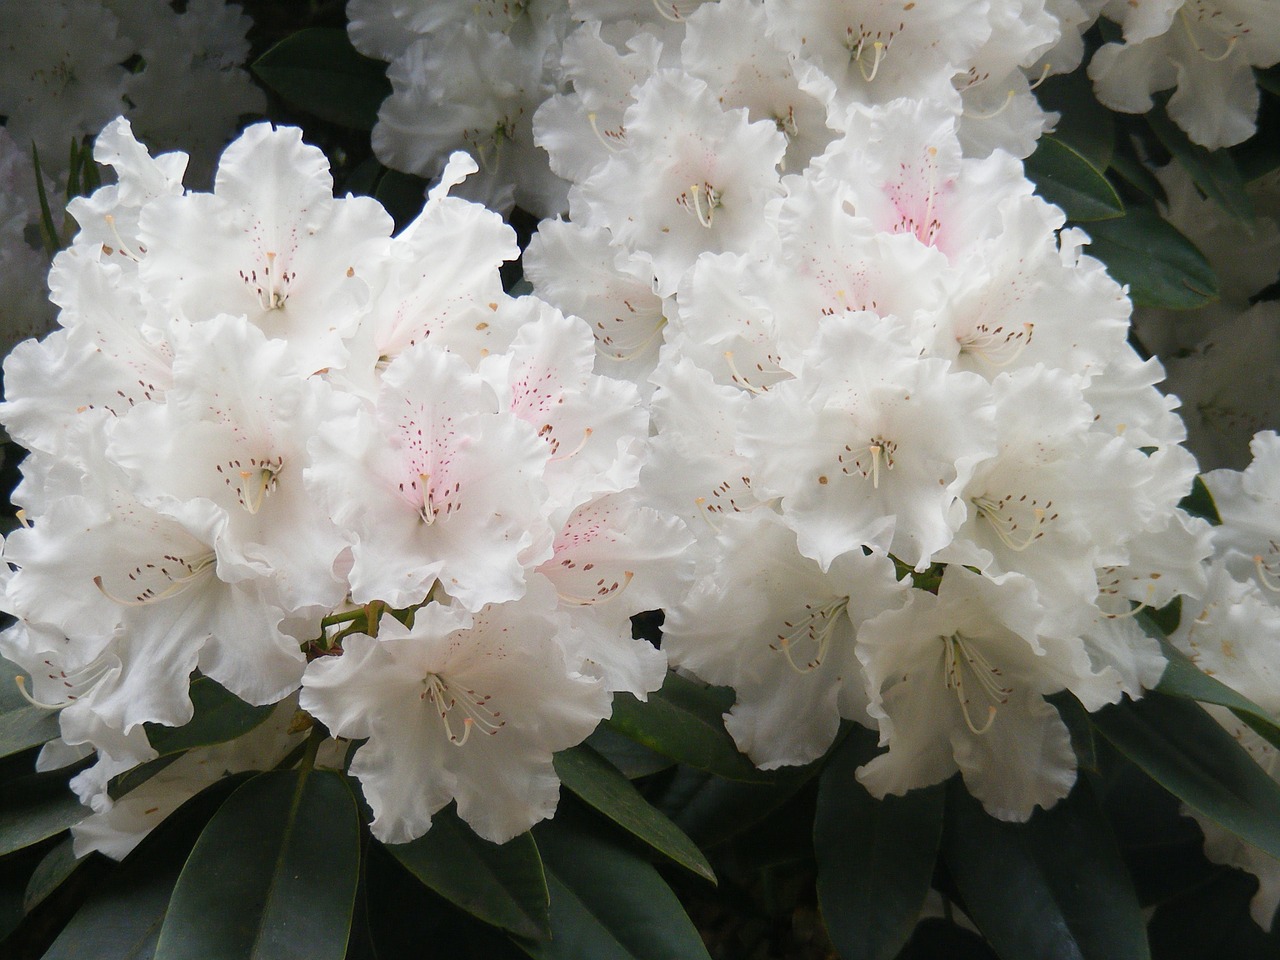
[36,807]
[712,810]
[273,875]
[633,759]
[1199,503]
[1184,679]
[1185,750]
[54,868]
[403,195]
[501,884]
[600,784]
[1213,921]
[1212,171]
[1084,125]
[607,903]
[684,721]
[1161,266]
[317,70]
[121,919]
[219,716]
[1054,887]
[875,857]
[22,725]
[1064,177]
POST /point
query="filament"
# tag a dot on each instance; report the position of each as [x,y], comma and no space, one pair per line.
[994,113]
[611,147]
[78,682]
[586,435]
[956,654]
[808,630]
[739,379]
[474,707]
[996,346]
[195,572]
[603,593]
[1005,524]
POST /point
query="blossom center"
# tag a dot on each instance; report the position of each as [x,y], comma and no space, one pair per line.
[1018,521]
[461,709]
[809,634]
[867,461]
[960,655]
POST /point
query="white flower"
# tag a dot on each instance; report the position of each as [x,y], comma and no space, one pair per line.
[780,630]
[958,681]
[458,707]
[694,177]
[1204,48]
[872,445]
[437,484]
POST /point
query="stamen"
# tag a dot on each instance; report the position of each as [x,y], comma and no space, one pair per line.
[611,147]
[999,514]
[77,683]
[877,449]
[1044,75]
[956,654]
[996,346]
[739,379]
[120,244]
[712,201]
[1134,611]
[195,572]
[1186,25]
[644,345]
[673,16]
[807,629]
[1265,576]
[252,495]
[603,594]
[586,435]
[994,113]
[429,510]
[446,696]
[879,49]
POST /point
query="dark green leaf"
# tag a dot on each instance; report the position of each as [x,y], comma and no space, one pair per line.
[219,716]
[121,919]
[1213,171]
[22,725]
[1064,177]
[501,884]
[607,903]
[712,810]
[684,721]
[601,785]
[1055,886]
[317,70]
[403,195]
[875,857]
[633,759]
[1213,921]
[1084,125]
[1268,80]
[36,807]
[1161,266]
[1184,679]
[58,864]
[1199,503]
[273,875]
[1126,163]
[1185,750]
[935,939]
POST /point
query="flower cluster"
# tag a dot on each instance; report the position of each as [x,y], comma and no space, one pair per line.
[1231,630]
[275,444]
[67,67]
[878,362]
